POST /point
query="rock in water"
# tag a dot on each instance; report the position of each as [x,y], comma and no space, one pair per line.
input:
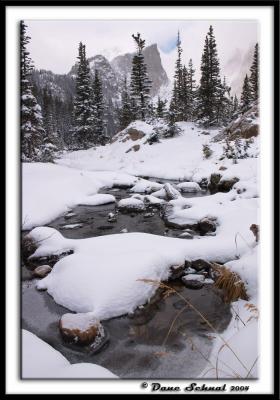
[131,205]
[206,225]
[200,265]
[41,271]
[171,192]
[176,271]
[193,281]
[81,328]
[189,187]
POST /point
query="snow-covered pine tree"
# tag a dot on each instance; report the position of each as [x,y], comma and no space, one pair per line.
[50,121]
[177,100]
[235,106]
[140,84]
[254,77]
[191,90]
[100,136]
[32,131]
[125,112]
[83,134]
[211,88]
[161,108]
[184,109]
[224,104]
[246,95]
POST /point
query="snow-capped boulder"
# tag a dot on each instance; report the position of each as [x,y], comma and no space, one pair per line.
[171,192]
[189,187]
[131,204]
[145,186]
[81,328]
[193,281]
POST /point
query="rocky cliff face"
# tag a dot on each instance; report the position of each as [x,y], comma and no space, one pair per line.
[122,66]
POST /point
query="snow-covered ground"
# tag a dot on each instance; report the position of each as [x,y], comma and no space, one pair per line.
[40,360]
[106,283]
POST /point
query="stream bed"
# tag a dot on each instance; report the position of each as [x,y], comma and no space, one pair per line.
[141,345]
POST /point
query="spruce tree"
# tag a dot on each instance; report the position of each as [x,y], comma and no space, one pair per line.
[191,90]
[254,77]
[161,108]
[177,105]
[235,104]
[125,113]
[83,107]
[246,96]
[32,131]
[224,104]
[184,109]
[211,90]
[140,84]
[100,136]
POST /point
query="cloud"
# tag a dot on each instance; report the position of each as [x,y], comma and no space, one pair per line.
[54,43]
[168,45]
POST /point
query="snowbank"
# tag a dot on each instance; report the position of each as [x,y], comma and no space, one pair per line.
[242,332]
[40,360]
[50,190]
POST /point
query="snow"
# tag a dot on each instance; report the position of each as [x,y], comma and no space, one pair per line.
[72,226]
[194,277]
[40,360]
[98,199]
[51,190]
[179,158]
[81,321]
[188,187]
[131,202]
[145,186]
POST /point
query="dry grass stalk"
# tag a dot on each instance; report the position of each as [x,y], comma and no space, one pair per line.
[231,284]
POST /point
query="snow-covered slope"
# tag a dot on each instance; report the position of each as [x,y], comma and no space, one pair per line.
[180,157]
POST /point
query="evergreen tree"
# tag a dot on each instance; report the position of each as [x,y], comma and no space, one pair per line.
[224,104]
[125,113]
[177,105]
[161,108]
[100,136]
[246,96]
[235,107]
[191,90]
[140,84]
[32,131]
[254,77]
[83,107]
[211,90]
[185,106]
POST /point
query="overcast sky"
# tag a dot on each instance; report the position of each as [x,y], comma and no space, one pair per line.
[54,43]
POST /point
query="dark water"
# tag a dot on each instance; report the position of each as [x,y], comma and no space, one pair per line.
[94,219]
[138,345]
